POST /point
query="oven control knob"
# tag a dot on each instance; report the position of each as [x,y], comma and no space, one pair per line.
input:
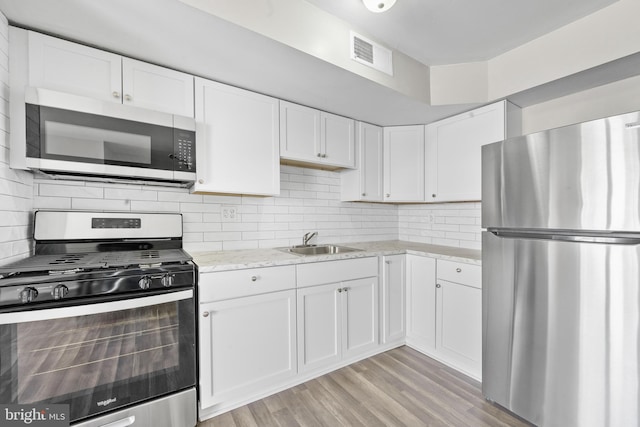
[167,280]
[60,292]
[28,294]
[144,282]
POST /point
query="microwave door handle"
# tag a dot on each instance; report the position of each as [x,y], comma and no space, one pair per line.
[89,309]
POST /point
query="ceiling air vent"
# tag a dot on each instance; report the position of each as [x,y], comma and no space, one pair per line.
[369,53]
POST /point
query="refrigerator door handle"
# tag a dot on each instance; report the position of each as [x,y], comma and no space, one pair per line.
[577,238]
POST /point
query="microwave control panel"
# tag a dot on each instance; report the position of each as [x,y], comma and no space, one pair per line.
[184,150]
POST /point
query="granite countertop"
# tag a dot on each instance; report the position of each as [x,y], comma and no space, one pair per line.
[252,258]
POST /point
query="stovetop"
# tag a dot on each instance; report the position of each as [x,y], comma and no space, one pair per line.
[88,261]
[82,256]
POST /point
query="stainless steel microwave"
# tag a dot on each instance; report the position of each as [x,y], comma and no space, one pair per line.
[82,136]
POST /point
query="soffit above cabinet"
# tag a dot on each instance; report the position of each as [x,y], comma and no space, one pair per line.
[172,34]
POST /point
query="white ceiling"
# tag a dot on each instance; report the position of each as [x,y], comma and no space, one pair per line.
[437,32]
[171,34]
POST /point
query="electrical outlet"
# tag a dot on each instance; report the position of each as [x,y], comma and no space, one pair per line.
[230,214]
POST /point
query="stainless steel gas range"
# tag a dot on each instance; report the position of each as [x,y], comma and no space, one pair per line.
[101,318]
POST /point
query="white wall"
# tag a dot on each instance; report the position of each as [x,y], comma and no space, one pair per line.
[309,201]
[15,186]
[607,100]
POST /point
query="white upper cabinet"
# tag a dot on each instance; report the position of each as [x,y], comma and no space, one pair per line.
[315,137]
[149,86]
[237,140]
[365,182]
[73,68]
[454,144]
[404,163]
[337,138]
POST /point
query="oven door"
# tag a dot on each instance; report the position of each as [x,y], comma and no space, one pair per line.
[99,357]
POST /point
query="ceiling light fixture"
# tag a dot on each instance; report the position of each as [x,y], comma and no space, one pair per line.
[378,6]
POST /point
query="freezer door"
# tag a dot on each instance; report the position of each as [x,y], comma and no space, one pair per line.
[581,177]
[561,332]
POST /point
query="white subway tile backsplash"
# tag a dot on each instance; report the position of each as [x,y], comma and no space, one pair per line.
[148,206]
[120,193]
[79,191]
[99,205]
[45,202]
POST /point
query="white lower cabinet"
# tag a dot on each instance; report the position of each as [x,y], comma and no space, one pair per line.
[247,342]
[262,330]
[444,312]
[393,299]
[421,302]
[459,316]
[337,321]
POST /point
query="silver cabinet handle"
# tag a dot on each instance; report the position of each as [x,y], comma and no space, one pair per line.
[127,97]
[364,194]
[387,262]
[254,278]
[437,285]
[458,270]
[324,156]
[205,314]
[319,155]
[388,195]
[345,289]
[433,195]
[116,94]
[339,290]
[201,181]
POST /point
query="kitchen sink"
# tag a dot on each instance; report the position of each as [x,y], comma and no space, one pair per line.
[319,249]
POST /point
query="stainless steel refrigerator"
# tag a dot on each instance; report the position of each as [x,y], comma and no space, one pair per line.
[561,274]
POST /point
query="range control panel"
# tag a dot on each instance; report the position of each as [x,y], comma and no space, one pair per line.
[184,150]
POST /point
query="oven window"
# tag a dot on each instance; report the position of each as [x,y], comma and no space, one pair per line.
[62,139]
[102,361]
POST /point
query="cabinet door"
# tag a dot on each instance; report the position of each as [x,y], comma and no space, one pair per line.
[299,133]
[73,68]
[421,302]
[459,326]
[319,326]
[247,345]
[393,298]
[157,88]
[337,135]
[404,164]
[364,183]
[360,320]
[454,152]
[237,141]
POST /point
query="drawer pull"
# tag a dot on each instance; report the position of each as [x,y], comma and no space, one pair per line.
[458,270]
[205,314]
[438,285]
[254,278]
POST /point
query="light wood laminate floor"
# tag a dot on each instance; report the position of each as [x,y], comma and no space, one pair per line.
[400,387]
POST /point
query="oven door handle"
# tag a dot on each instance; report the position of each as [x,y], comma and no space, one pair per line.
[89,309]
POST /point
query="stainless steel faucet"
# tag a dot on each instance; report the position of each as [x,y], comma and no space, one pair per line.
[308,236]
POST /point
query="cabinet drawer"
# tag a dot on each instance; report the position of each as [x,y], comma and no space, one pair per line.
[459,272]
[319,273]
[224,285]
